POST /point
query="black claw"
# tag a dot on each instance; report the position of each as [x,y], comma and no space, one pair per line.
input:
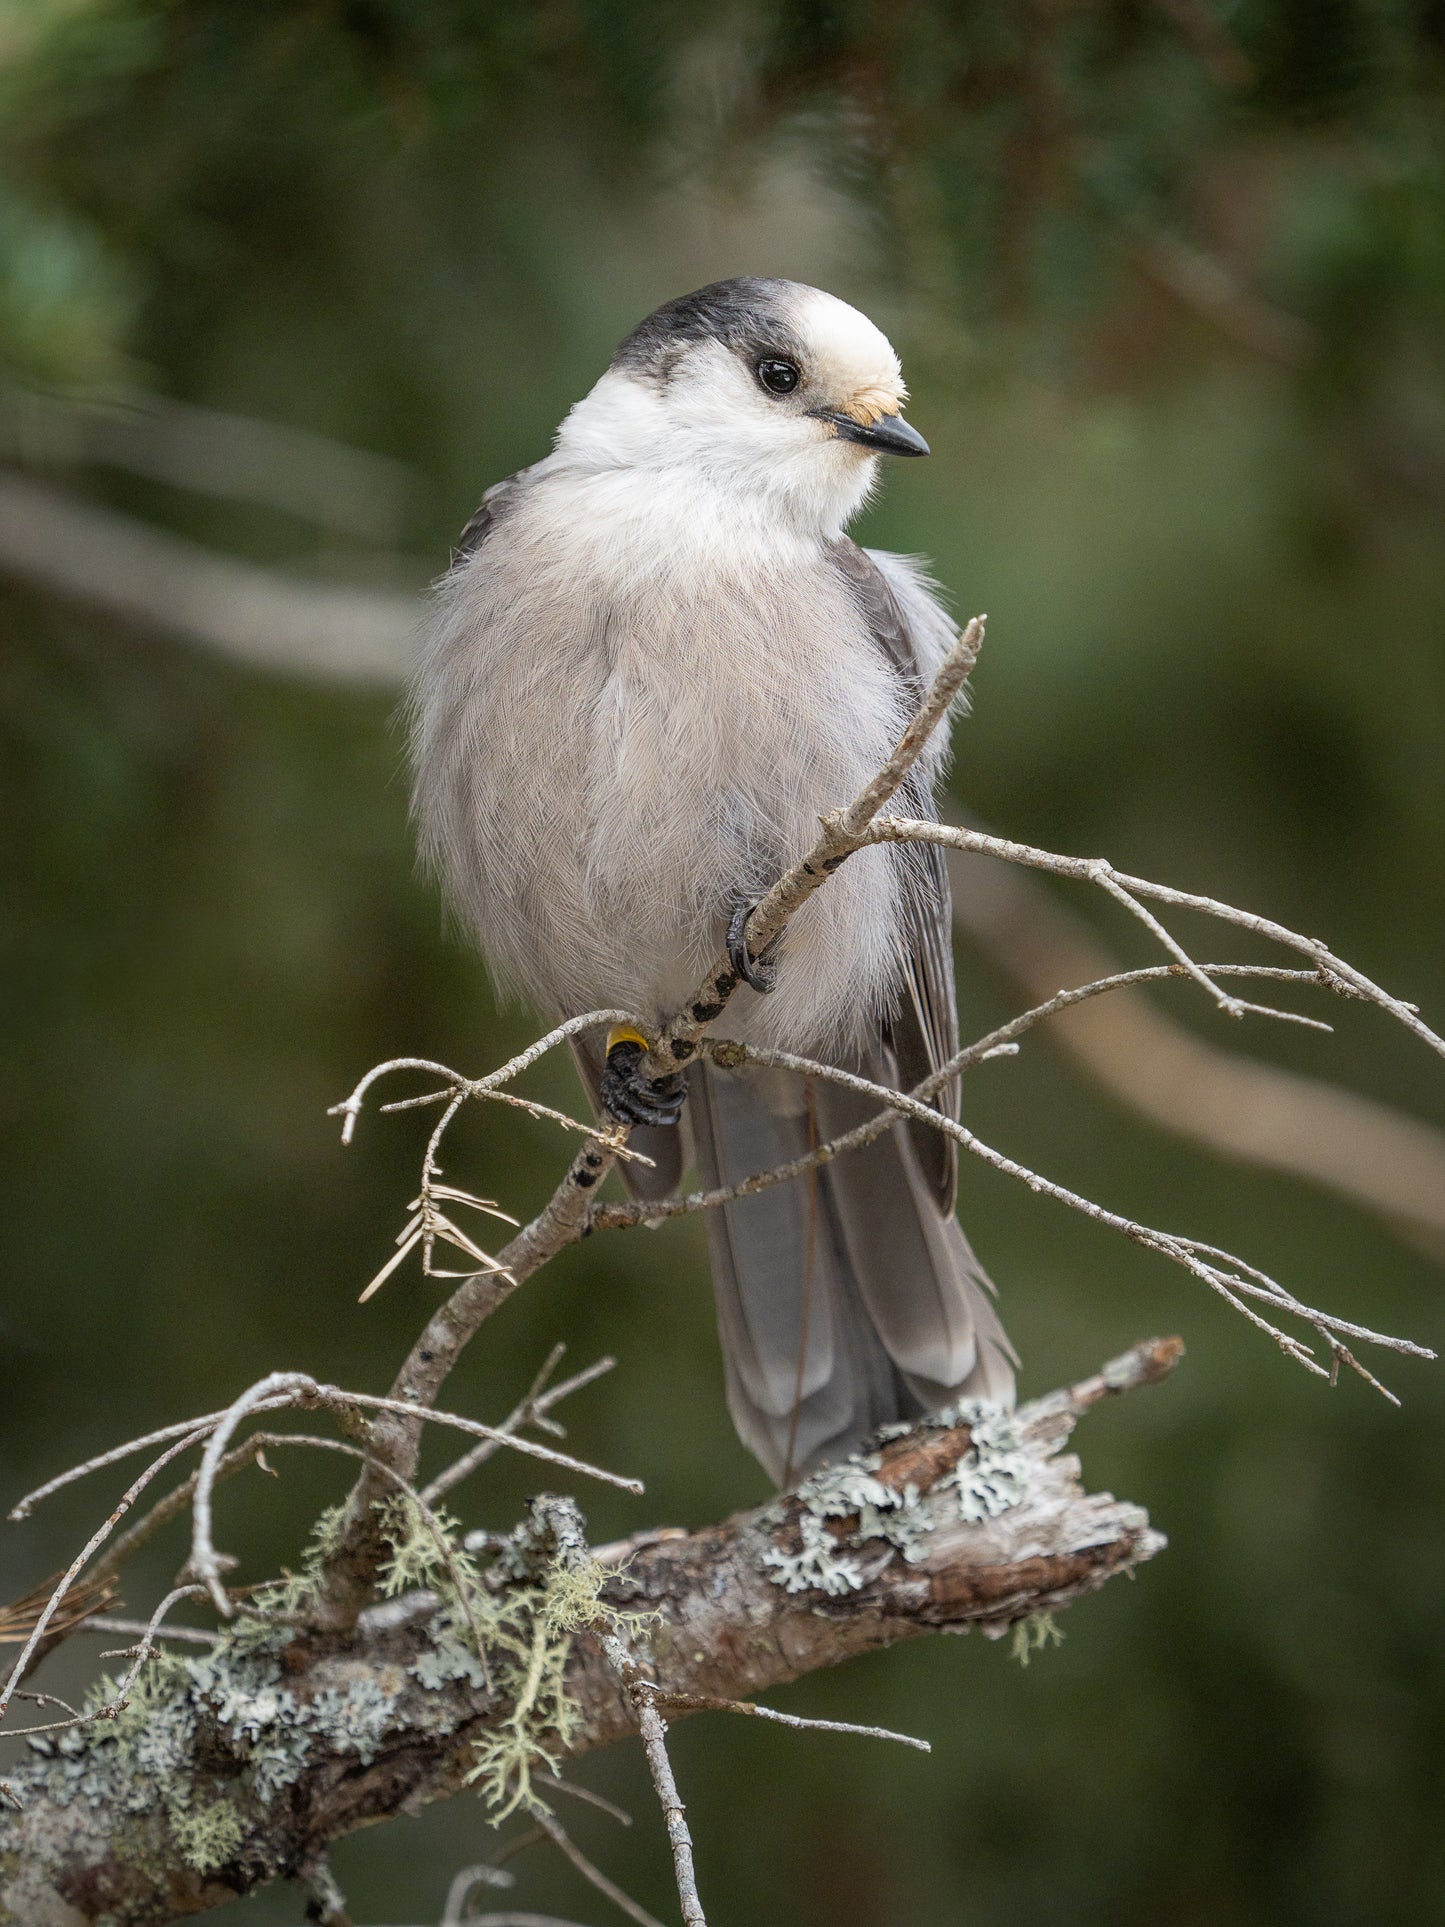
[631,1098]
[760,972]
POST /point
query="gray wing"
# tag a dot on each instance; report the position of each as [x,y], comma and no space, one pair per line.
[490,509]
[924,1031]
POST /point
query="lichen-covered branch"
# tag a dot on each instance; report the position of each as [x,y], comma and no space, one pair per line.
[239,1766]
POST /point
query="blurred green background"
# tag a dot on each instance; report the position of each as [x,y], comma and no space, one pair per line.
[1168,281]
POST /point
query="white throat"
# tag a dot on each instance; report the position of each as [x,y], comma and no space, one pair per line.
[689,441]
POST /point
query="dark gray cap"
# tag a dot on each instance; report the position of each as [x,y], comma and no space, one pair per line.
[749,316]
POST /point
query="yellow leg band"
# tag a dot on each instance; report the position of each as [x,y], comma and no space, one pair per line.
[625,1034]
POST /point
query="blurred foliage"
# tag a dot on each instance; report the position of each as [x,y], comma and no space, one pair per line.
[1168,277]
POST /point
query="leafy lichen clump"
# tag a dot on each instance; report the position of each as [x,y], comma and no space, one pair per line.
[991,1477]
[993,1474]
[885,1514]
[208,1835]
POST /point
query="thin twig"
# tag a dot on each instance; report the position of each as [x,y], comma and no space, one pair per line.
[351,1107]
[585,1793]
[186,1428]
[288,1387]
[190,1635]
[300,1389]
[82,1558]
[709,1703]
[531,1410]
[121,1698]
[1188,1252]
[179,1497]
[486,1873]
[565,1844]
[998,1042]
[1098,870]
[654,1744]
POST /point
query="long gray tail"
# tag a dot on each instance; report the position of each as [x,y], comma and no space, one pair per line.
[846,1298]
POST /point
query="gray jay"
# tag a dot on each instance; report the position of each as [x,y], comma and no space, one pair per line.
[656,660]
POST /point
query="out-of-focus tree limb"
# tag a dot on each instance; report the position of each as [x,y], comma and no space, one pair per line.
[171,587]
[207,451]
[1389,1162]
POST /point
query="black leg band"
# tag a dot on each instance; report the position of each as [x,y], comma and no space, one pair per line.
[630,1098]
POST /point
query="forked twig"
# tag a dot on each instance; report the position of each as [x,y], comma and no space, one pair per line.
[1191,1253]
[563,1841]
[532,1409]
[82,1558]
[1125,888]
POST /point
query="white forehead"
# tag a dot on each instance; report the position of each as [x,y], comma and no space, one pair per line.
[847,349]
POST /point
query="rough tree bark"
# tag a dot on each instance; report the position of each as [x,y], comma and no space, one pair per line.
[108,1825]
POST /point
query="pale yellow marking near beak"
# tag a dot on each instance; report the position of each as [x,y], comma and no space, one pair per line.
[625,1034]
[870,405]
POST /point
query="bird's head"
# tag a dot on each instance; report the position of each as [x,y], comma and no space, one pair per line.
[770,390]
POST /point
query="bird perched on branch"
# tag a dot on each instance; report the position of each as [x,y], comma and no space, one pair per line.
[656,660]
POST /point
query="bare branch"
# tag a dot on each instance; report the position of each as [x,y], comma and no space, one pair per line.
[240,458]
[1191,1253]
[654,1744]
[591,1799]
[1237,1106]
[615,1216]
[531,1410]
[146,1647]
[1099,871]
[703,1703]
[565,1844]
[197,1427]
[82,1558]
[279,1387]
[172,587]
[188,1635]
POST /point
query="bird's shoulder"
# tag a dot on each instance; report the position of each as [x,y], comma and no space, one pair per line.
[901,606]
[495,505]
[879,606]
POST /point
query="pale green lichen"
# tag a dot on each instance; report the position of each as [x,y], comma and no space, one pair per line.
[1034,1635]
[186,1772]
[533,1627]
[208,1835]
[424,1552]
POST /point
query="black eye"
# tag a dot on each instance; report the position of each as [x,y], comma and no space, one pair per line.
[778,377]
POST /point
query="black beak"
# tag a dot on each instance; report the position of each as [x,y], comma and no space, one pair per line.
[890,434]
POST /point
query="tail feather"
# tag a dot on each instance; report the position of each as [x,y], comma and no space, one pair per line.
[852,1267]
[928,1296]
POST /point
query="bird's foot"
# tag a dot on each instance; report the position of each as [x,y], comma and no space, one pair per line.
[628,1096]
[759,972]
